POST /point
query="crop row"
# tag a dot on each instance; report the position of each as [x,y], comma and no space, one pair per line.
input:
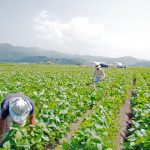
[139,133]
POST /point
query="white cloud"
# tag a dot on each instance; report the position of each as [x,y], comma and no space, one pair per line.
[80,36]
[74,36]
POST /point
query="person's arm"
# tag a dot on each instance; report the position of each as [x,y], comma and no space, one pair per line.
[2,127]
[32,119]
[94,73]
[3,116]
[31,114]
[103,74]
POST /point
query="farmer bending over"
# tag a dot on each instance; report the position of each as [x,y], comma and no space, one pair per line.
[98,74]
[14,109]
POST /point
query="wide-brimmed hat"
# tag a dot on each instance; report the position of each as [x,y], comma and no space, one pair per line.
[97,66]
[19,108]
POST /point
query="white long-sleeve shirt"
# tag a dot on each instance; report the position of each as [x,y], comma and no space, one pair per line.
[98,73]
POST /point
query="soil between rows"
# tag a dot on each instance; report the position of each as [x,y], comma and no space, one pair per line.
[124,119]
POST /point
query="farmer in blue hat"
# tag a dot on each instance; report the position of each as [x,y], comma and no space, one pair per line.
[14,109]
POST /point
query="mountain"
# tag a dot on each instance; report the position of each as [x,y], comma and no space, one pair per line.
[125,60]
[142,63]
[19,54]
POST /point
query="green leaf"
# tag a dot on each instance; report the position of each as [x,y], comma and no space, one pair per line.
[57,119]
[18,135]
[99,146]
[45,138]
[24,131]
[132,143]
[6,145]
[65,145]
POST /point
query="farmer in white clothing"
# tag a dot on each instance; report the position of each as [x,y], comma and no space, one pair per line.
[98,74]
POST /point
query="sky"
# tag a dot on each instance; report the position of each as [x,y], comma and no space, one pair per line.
[110,28]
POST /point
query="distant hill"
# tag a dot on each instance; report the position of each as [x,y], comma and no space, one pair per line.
[143,63]
[19,54]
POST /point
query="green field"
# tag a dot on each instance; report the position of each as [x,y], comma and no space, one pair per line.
[62,96]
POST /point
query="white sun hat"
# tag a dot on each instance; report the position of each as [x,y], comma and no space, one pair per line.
[97,66]
[19,109]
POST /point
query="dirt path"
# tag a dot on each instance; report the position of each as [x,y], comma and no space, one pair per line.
[124,117]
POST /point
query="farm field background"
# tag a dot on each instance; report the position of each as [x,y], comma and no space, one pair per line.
[62,95]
